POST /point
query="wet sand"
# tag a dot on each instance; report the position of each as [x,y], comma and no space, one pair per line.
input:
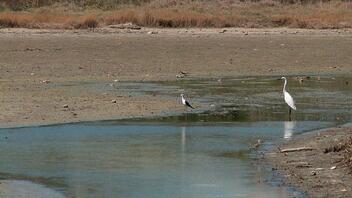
[315,172]
[16,188]
[32,59]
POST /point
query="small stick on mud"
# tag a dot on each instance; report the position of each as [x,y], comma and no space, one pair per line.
[296,149]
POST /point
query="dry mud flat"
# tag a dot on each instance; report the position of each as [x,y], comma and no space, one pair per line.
[32,60]
[319,169]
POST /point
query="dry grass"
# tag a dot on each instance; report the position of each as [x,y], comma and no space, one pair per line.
[165,18]
[85,22]
[266,14]
[174,14]
[317,17]
[45,20]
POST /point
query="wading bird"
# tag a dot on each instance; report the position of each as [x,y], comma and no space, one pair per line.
[288,98]
[185,102]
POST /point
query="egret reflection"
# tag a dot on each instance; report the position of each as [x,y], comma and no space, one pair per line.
[183,138]
[289,129]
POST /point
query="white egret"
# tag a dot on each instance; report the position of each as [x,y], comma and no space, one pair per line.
[288,98]
[185,102]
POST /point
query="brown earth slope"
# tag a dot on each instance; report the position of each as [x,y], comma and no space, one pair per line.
[320,172]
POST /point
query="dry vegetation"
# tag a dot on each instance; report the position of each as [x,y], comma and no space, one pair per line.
[71,14]
[46,20]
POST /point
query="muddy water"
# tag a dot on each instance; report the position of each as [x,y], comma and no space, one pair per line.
[206,153]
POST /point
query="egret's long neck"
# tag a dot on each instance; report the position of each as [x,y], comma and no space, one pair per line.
[284,89]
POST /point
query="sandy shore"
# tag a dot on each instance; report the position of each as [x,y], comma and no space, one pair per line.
[316,172]
[17,188]
[32,59]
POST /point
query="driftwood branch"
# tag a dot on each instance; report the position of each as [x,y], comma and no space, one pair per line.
[296,149]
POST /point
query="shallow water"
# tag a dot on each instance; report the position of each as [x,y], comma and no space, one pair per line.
[206,153]
[146,160]
[318,98]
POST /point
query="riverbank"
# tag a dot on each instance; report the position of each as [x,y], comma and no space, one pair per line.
[39,66]
[321,168]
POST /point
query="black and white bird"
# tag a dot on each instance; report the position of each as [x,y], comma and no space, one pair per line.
[185,102]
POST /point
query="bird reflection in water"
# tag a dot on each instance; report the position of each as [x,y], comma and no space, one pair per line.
[289,129]
[183,138]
